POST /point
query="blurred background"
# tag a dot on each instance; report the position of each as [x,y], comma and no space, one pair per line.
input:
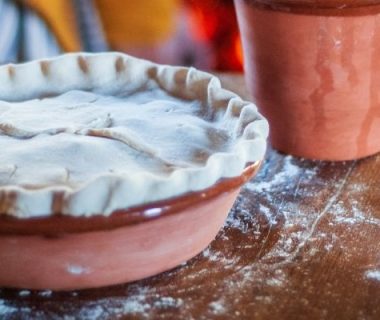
[200,33]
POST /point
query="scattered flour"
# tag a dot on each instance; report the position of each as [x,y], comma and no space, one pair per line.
[289,171]
[373,275]
[24,293]
[284,213]
[168,302]
[77,269]
[45,293]
[6,309]
[217,307]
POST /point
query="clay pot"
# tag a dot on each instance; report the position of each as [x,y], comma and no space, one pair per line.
[65,253]
[313,69]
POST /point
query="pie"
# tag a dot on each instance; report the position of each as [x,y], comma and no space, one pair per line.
[89,137]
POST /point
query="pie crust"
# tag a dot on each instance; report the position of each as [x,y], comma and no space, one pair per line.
[88,134]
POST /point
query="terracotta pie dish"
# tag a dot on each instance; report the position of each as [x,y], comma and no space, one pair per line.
[114,169]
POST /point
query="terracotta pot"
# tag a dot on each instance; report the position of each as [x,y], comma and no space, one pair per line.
[64,253]
[313,70]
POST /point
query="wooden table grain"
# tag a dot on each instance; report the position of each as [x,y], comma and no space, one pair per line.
[302,242]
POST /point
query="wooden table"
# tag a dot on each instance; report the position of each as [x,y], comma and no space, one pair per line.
[302,242]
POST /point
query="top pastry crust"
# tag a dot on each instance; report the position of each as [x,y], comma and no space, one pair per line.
[88,134]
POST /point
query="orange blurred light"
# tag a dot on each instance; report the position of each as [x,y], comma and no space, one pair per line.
[239,51]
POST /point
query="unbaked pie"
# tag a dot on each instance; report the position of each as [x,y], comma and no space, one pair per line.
[89,139]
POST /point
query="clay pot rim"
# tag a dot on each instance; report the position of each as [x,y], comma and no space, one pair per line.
[58,225]
[306,8]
